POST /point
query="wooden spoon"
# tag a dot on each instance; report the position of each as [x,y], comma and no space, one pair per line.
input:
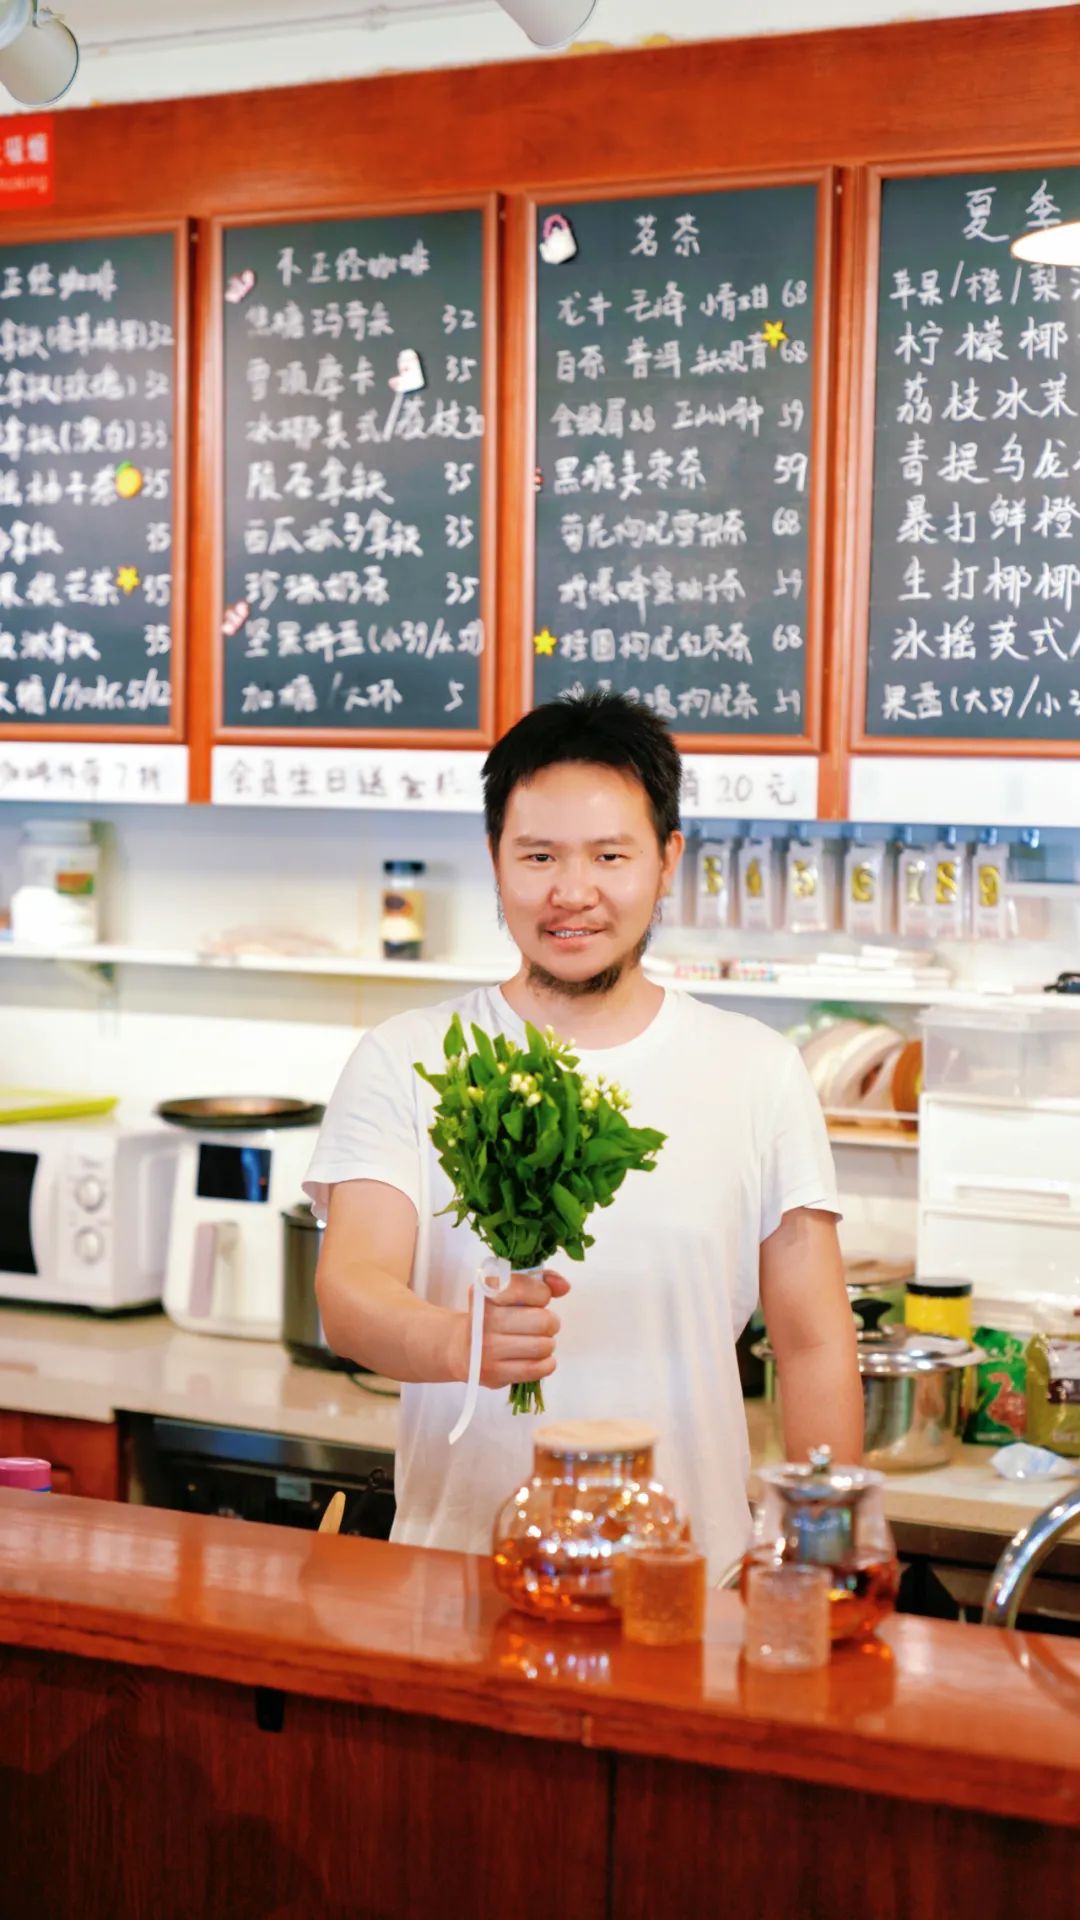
[335,1513]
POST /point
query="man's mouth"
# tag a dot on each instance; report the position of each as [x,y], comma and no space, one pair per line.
[571,933]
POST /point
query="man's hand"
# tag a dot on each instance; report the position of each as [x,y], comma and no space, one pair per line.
[519,1332]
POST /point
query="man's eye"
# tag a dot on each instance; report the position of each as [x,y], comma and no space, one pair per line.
[613,856]
[538,856]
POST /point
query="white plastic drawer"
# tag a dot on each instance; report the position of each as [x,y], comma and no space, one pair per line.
[999,1158]
[1005,1257]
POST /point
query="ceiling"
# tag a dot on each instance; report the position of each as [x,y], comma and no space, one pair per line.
[131,22]
[160,49]
[101,21]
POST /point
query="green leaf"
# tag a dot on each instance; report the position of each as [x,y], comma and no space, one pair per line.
[547,1151]
[601,1149]
[455,1038]
[570,1210]
[485,1049]
[514,1121]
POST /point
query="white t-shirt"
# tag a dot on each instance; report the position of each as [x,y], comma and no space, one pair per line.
[650,1325]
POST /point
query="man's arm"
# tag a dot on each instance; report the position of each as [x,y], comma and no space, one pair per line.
[812,1330]
[371,1315]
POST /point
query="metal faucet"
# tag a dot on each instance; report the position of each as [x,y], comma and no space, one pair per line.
[1023,1556]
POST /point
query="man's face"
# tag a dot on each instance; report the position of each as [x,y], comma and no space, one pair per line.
[580,872]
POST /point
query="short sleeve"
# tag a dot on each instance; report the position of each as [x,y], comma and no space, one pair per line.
[797,1163]
[369,1130]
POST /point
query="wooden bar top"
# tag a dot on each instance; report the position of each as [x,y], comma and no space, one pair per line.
[931,1711]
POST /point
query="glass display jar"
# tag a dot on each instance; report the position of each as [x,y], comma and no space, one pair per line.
[833,1517]
[560,1538]
[401,925]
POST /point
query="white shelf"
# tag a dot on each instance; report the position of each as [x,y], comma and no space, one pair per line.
[338,966]
[871,990]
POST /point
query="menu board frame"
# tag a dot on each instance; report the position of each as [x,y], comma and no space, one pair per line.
[864,365]
[487,205]
[522,243]
[181,229]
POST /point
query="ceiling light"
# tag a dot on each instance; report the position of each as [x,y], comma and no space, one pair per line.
[39,56]
[550,23]
[1051,246]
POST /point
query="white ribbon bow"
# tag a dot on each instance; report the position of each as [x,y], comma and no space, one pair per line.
[492,1279]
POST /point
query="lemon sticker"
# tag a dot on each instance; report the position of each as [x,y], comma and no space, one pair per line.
[129,480]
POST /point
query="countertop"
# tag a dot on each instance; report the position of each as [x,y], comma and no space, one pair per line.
[926,1711]
[85,1367]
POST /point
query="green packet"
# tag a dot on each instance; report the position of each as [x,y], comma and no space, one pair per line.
[1000,1410]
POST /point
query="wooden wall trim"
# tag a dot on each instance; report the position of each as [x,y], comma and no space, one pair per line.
[919,88]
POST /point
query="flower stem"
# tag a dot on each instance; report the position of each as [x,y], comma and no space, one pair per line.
[527,1396]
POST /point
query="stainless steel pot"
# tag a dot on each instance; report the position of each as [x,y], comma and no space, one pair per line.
[302,1327]
[914,1398]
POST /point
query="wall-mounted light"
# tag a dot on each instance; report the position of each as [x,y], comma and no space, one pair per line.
[550,23]
[1051,246]
[39,56]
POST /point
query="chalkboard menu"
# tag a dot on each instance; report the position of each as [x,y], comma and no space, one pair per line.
[354,390]
[675,351]
[974,583]
[88,374]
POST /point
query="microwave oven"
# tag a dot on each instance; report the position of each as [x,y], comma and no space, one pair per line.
[84,1212]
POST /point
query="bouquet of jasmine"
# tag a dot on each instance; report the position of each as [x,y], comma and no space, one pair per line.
[530,1147]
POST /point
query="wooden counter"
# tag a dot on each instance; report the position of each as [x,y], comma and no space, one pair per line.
[231,1718]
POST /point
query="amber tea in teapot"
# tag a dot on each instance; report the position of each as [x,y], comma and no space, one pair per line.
[828,1516]
[560,1540]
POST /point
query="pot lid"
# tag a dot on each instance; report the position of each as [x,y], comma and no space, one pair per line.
[300,1215]
[889,1352]
[816,1482]
[240,1112]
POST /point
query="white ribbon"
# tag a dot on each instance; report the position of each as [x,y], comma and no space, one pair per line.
[492,1279]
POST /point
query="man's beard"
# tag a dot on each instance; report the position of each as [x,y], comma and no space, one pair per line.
[605,981]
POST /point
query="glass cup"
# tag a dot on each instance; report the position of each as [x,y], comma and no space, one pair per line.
[787,1617]
[663,1595]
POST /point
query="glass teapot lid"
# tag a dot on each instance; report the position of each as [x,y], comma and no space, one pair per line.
[820,1513]
[818,1483]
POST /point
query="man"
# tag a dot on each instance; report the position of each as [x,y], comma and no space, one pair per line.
[582,816]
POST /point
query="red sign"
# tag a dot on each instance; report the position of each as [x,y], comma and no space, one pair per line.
[26,161]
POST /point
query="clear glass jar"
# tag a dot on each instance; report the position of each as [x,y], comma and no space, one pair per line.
[401,926]
[560,1539]
[832,1517]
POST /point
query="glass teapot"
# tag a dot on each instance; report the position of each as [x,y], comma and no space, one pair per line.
[832,1517]
[559,1540]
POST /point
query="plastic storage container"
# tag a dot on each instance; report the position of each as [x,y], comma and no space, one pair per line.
[56,900]
[1002,1053]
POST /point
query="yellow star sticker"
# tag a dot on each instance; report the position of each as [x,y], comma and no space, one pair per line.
[774,332]
[545,641]
[127,579]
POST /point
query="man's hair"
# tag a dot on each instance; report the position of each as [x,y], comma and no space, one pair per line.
[592,729]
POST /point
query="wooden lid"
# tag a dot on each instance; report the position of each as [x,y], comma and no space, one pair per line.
[591,1438]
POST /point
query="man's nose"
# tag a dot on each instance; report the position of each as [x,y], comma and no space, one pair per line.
[575,884]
